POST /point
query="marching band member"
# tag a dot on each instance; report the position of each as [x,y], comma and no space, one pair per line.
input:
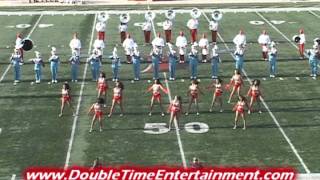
[213,27]
[99,46]
[239,109]
[38,64]
[237,82]
[158,42]
[123,28]
[155,56]
[239,56]
[240,38]
[264,40]
[128,45]
[75,44]
[66,99]
[313,60]
[156,95]
[204,45]
[136,59]
[101,28]
[301,43]
[19,44]
[255,94]
[95,63]
[102,86]
[175,110]
[16,61]
[215,60]
[115,64]
[167,27]
[193,92]
[272,56]
[117,98]
[75,63]
[181,43]
[217,93]
[98,113]
[172,57]
[147,26]
[193,24]
[193,62]
[54,65]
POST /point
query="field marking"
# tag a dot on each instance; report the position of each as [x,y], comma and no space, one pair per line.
[224,10]
[75,119]
[313,13]
[28,36]
[269,111]
[183,157]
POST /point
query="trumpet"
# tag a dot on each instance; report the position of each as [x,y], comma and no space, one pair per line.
[195,13]
[149,16]
[170,14]
[103,17]
[216,15]
[124,18]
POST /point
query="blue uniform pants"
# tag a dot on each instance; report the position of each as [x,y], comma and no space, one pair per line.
[115,71]
[313,66]
[155,65]
[215,66]
[272,66]
[136,69]
[54,71]
[38,74]
[74,71]
[17,72]
[239,62]
[95,70]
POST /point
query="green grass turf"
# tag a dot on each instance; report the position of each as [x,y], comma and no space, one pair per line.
[36,136]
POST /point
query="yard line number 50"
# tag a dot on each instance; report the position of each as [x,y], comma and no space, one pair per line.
[161,128]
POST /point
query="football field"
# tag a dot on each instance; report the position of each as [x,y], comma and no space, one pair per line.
[287,132]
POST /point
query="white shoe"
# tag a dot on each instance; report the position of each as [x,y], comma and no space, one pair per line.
[249,112]
[16,81]
[260,112]
[55,81]
[52,81]
[121,115]
[210,110]
[229,102]
[187,114]
[37,82]
[234,127]
[75,80]
[162,114]
[198,114]
[150,114]
[221,110]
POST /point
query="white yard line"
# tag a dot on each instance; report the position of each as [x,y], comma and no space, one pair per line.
[118,12]
[313,13]
[75,119]
[183,158]
[9,66]
[268,109]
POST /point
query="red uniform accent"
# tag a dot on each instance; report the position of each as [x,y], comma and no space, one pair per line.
[66,98]
[214,36]
[194,95]
[156,96]
[255,94]
[193,33]
[239,108]
[147,36]
[102,87]
[168,35]
[237,85]
[301,50]
[218,92]
[175,108]
[101,35]
[122,36]
[98,113]
[117,98]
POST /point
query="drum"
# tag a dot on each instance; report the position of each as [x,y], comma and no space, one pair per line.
[27,44]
